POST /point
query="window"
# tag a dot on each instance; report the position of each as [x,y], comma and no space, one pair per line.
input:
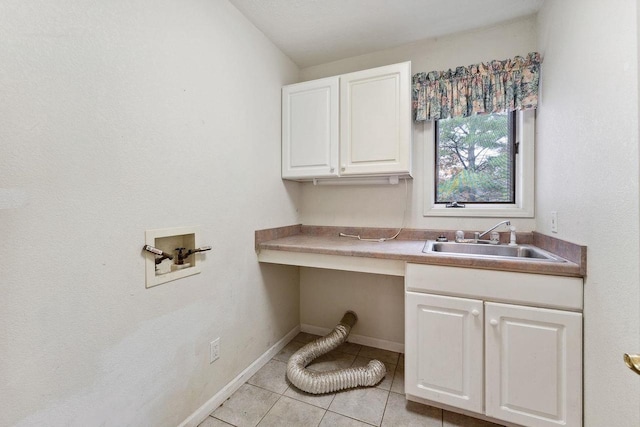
[484,162]
[475,159]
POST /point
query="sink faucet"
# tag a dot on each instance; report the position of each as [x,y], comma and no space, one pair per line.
[477,235]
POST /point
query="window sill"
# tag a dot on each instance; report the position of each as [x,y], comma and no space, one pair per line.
[487,211]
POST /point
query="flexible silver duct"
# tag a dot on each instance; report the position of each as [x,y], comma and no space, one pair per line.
[327,382]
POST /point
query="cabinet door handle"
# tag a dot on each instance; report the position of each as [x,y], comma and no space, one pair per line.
[493,322]
[343,167]
[331,170]
[475,312]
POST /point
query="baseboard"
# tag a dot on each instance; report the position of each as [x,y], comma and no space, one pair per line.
[357,339]
[203,412]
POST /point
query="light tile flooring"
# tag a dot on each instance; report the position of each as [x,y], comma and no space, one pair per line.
[268,399]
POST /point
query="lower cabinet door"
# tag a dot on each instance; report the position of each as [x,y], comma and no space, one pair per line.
[533,365]
[444,349]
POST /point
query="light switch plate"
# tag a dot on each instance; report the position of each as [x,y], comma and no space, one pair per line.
[554,222]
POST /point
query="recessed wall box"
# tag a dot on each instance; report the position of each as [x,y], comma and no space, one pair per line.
[167,240]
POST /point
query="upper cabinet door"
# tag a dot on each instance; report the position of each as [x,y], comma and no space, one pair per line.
[375,115]
[310,129]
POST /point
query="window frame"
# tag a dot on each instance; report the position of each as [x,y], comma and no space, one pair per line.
[524,169]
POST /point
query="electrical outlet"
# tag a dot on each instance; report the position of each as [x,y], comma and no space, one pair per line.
[554,222]
[214,350]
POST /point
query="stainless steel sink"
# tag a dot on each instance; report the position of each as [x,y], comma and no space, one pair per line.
[476,250]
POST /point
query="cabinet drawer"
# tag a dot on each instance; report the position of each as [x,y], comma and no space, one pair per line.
[501,286]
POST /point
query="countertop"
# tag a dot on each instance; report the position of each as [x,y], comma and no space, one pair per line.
[301,239]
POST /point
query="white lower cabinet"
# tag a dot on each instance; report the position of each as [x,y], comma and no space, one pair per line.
[510,362]
[443,352]
[533,365]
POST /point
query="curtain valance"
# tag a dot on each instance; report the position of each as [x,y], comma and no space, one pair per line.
[489,87]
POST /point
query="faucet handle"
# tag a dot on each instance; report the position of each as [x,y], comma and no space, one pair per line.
[183,255]
[158,253]
[153,250]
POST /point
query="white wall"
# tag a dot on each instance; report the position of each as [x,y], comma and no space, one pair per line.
[325,295]
[116,117]
[587,158]
[383,206]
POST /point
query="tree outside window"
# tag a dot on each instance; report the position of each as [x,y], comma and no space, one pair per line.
[475,159]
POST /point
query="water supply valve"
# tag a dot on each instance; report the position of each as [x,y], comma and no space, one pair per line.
[160,254]
[183,254]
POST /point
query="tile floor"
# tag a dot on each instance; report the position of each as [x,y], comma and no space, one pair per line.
[268,399]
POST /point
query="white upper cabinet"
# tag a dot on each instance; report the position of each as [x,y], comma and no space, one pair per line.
[310,129]
[357,124]
[375,119]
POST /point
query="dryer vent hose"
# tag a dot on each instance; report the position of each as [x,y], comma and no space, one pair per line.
[327,382]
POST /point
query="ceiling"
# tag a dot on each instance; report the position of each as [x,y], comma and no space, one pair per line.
[313,32]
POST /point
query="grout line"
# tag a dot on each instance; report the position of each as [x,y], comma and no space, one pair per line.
[385,407]
[269,410]
[223,421]
[323,415]
[266,389]
[355,419]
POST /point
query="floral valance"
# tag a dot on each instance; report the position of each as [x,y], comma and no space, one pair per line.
[481,88]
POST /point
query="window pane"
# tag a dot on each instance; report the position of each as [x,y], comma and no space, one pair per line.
[475,159]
